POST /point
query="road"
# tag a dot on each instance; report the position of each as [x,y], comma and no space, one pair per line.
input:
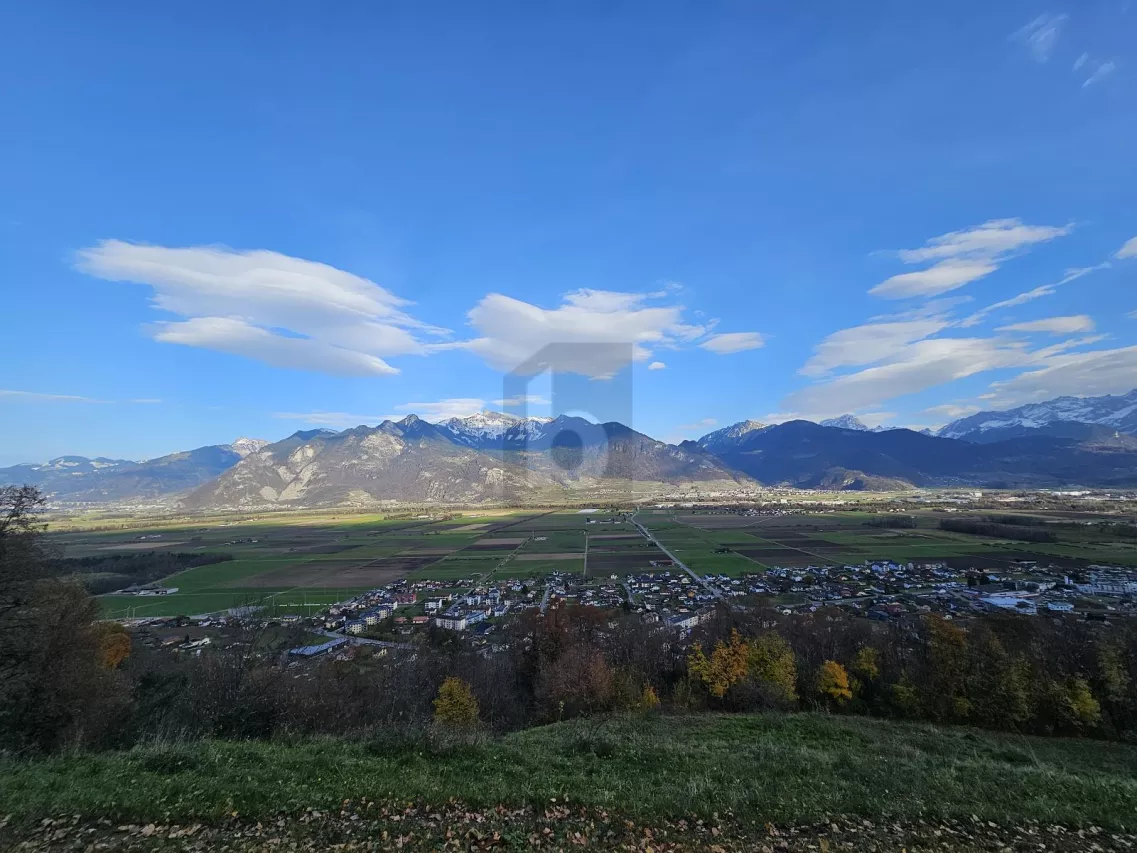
[647,535]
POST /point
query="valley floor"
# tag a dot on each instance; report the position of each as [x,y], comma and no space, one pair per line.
[775,782]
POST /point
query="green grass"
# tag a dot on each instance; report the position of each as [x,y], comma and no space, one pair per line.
[791,768]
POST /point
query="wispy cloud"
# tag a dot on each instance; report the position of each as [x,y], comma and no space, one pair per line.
[334,420]
[522,400]
[1041,35]
[1100,70]
[869,344]
[922,365]
[657,365]
[1030,295]
[962,257]
[1053,325]
[1081,374]
[39,397]
[732,342]
[1129,250]
[441,410]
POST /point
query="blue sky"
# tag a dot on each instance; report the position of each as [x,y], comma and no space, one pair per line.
[245,219]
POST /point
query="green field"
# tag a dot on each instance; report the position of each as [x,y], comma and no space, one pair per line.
[302,563]
[316,559]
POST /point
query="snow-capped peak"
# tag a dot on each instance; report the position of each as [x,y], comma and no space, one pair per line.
[729,435]
[846,422]
[1117,411]
[244,446]
[488,427]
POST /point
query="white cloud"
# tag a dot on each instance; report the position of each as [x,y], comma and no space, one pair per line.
[1129,250]
[656,365]
[1079,374]
[236,337]
[1054,325]
[919,366]
[334,420]
[38,397]
[993,238]
[1041,35]
[868,344]
[964,256]
[442,410]
[1031,295]
[732,342]
[1101,71]
[263,305]
[593,333]
[522,400]
[941,278]
[1080,61]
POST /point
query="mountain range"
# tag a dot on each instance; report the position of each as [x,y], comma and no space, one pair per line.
[491,456]
[82,480]
[1064,417]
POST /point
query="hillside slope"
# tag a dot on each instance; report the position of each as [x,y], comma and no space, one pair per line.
[668,782]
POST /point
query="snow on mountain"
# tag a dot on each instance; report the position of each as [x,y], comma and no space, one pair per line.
[1118,412]
[244,446]
[846,422]
[728,437]
[488,427]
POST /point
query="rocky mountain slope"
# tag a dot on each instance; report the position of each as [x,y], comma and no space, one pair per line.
[412,460]
[1063,417]
[728,437]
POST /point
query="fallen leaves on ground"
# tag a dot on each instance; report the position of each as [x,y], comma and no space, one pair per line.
[364,826]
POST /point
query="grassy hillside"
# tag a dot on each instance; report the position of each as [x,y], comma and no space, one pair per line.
[737,771]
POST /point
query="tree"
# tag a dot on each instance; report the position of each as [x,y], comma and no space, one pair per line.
[945,689]
[577,683]
[833,683]
[53,688]
[114,645]
[649,699]
[1083,709]
[726,666]
[771,663]
[865,664]
[455,707]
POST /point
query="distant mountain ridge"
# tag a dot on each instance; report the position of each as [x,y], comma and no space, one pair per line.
[495,456]
[78,479]
[808,455]
[1059,417]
